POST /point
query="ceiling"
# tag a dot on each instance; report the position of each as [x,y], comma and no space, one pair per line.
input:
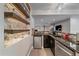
[47,13]
[43,6]
[54,8]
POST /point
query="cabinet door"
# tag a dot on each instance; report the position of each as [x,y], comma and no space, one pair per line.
[77,54]
[52,46]
[61,50]
[46,41]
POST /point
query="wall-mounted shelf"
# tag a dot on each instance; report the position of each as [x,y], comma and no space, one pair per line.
[14,15]
[17,23]
[18,29]
[23,8]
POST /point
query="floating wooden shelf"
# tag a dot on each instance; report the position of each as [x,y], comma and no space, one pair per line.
[24,9]
[14,15]
[15,31]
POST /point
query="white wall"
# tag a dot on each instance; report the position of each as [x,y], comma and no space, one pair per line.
[74,24]
[65,25]
[41,20]
[21,48]
[1,27]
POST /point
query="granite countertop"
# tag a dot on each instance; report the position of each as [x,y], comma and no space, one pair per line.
[40,33]
[66,43]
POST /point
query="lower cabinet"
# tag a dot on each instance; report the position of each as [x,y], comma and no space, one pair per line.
[57,48]
[52,45]
[49,42]
[61,50]
[46,41]
[77,54]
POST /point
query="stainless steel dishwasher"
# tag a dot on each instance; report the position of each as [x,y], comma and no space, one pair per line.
[37,41]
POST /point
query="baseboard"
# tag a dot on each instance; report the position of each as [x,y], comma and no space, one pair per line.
[30,51]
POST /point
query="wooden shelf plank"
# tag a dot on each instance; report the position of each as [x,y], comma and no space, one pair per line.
[15,31]
[14,15]
[21,8]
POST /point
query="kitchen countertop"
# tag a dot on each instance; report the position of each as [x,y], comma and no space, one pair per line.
[66,43]
[40,33]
